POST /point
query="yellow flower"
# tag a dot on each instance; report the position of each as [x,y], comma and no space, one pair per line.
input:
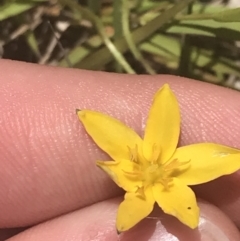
[153,169]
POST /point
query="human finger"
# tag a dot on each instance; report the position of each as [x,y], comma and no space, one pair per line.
[47,164]
[97,222]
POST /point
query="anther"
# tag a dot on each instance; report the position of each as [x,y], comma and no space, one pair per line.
[155,153]
[133,153]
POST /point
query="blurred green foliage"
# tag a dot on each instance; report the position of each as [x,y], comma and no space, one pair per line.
[184,37]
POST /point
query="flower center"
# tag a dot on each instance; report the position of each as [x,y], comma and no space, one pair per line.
[151,174]
[153,170]
[162,173]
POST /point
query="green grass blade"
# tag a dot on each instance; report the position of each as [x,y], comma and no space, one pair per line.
[230,31]
[184,60]
[32,42]
[128,36]
[100,28]
[11,9]
[230,15]
[170,49]
[117,16]
[94,62]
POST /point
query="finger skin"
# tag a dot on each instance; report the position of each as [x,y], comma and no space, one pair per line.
[7,233]
[47,164]
[97,222]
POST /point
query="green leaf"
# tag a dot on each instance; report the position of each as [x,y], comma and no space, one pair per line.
[76,55]
[228,30]
[102,56]
[11,9]
[170,48]
[230,15]
[32,42]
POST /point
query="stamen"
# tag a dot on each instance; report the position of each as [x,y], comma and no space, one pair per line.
[155,153]
[166,182]
[174,164]
[171,164]
[134,173]
[133,153]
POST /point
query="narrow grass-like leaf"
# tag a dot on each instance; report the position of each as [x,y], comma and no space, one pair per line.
[184,61]
[117,26]
[197,9]
[170,48]
[94,62]
[117,16]
[145,6]
[127,34]
[207,8]
[78,53]
[32,42]
[100,27]
[164,46]
[211,28]
[11,9]
[230,15]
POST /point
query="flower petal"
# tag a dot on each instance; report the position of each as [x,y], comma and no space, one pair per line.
[110,135]
[118,170]
[133,209]
[163,125]
[208,161]
[179,201]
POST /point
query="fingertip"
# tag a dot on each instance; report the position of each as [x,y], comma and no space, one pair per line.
[98,221]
